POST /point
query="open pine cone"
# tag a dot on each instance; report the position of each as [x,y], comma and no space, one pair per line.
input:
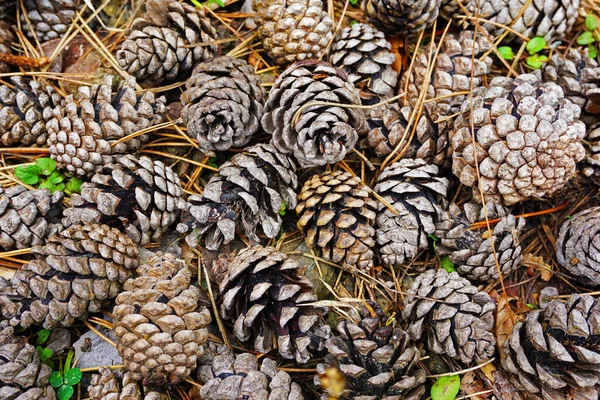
[111,385]
[49,19]
[591,165]
[401,17]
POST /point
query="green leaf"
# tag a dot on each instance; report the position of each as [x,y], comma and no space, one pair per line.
[591,22]
[445,388]
[70,356]
[506,52]
[353,2]
[48,185]
[56,177]
[47,165]
[60,187]
[43,336]
[56,379]
[45,353]
[353,22]
[529,305]
[592,51]
[73,376]
[213,162]
[536,61]
[196,3]
[65,392]
[433,237]
[29,174]
[73,185]
[536,44]
[221,3]
[586,38]
[447,264]
[282,208]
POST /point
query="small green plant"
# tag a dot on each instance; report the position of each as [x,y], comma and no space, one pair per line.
[45,352]
[447,264]
[43,175]
[591,36]
[445,388]
[535,59]
[65,380]
[220,3]
[282,208]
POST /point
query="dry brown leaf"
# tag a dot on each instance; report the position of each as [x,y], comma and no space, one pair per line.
[505,320]
[470,384]
[538,263]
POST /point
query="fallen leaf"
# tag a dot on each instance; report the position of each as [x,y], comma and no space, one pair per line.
[538,263]
[446,388]
[505,320]
[470,384]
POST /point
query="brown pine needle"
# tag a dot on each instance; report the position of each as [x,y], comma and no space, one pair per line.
[23,61]
[483,224]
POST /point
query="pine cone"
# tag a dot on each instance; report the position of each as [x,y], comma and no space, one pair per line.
[578,246]
[474,252]
[6,38]
[401,17]
[551,19]
[159,325]
[293,30]
[415,190]
[84,134]
[317,134]
[250,189]
[167,42]
[22,374]
[389,131]
[28,217]
[24,112]
[140,195]
[229,376]
[364,54]
[553,354]
[223,103]
[73,275]
[457,318]
[591,165]
[528,140]
[337,214]
[108,385]
[50,19]
[264,294]
[376,360]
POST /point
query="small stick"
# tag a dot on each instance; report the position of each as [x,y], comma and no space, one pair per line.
[23,61]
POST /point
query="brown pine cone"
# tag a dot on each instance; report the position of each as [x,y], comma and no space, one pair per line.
[111,385]
[401,17]
[6,38]
[49,19]
[591,164]
[159,324]
[267,298]
[337,213]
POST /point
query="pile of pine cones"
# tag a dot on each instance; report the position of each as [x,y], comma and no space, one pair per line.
[284,200]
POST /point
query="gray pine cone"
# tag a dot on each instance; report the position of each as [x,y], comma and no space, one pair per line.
[317,134]
[249,190]
[456,317]
[401,17]
[553,353]
[141,196]
[415,190]
[471,251]
[267,298]
[84,134]
[50,19]
[362,51]
[167,42]
[528,140]
[223,103]
[111,385]
[591,165]
[578,246]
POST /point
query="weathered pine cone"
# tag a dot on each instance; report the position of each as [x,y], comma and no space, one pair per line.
[24,112]
[6,37]
[475,252]
[455,316]
[167,42]
[314,134]
[223,103]
[111,385]
[84,134]
[28,217]
[337,213]
[401,17]
[74,274]
[225,375]
[293,30]
[528,140]
[141,196]
[50,19]
[415,191]
[553,354]
[267,298]
[159,325]
[249,190]
[376,359]
[591,165]
[362,51]
[578,246]
[22,374]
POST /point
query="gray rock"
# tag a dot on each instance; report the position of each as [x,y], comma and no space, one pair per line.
[101,352]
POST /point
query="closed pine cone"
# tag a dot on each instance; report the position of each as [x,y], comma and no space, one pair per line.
[318,134]
[83,134]
[337,213]
[167,42]
[6,37]
[141,196]
[249,190]
[111,385]
[553,354]
[456,318]
[267,298]
[24,112]
[293,30]
[159,325]
[401,17]
[50,19]
[74,274]
[223,103]
[376,359]
[528,140]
